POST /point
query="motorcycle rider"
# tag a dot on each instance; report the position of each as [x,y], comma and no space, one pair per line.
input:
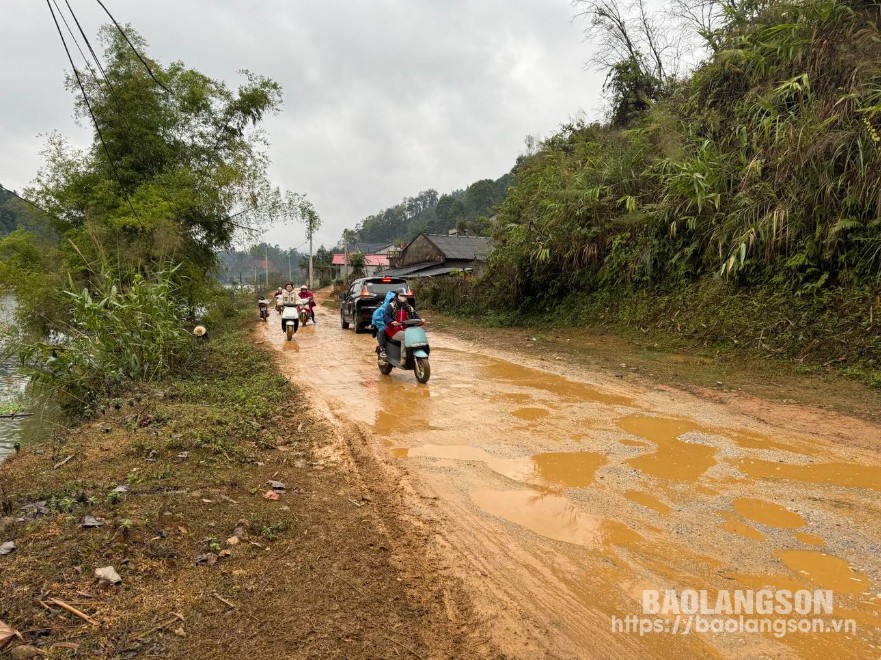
[398,311]
[378,323]
[289,297]
[306,293]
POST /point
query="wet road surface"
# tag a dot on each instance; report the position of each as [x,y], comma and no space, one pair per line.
[561,496]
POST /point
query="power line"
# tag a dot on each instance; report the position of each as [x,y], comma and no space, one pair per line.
[132,46]
[79,81]
[92,51]
[72,35]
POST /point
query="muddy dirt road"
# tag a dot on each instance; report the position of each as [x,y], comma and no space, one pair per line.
[557,496]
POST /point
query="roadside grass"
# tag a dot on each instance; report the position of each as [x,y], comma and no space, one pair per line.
[668,358]
[177,475]
[835,335]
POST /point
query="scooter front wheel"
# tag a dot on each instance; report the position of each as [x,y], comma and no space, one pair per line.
[385,368]
[422,370]
[290,332]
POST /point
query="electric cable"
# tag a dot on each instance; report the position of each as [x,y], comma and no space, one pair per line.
[92,114]
[132,46]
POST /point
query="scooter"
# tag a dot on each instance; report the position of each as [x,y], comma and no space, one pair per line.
[289,320]
[304,310]
[278,305]
[263,304]
[408,350]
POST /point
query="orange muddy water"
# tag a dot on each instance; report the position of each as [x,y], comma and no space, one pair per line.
[559,496]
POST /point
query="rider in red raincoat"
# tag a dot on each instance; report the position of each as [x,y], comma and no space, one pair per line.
[398,311]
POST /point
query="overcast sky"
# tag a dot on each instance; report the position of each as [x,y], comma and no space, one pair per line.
[383,98]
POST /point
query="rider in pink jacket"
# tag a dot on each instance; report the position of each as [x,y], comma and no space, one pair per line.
[306,293]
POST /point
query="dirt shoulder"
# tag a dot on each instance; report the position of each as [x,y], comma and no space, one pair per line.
[211,568]
[657,359]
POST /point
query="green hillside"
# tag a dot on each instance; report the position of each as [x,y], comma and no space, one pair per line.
[15,213]
[741,205]
[468,209]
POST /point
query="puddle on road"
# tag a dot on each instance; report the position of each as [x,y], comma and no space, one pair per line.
[735,526]
[751,440]
[556,518]
[567,469]
[675,459]
[570,469]
[768,513]
[649,501]
[809,539]
[531,414]
[824,570]
[850,475]
[515,374]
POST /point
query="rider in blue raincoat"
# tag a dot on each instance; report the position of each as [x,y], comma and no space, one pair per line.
[378,322]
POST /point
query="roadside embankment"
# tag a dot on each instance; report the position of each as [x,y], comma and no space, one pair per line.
[833,338]
[235,526]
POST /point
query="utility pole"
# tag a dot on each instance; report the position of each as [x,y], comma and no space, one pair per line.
[290,270]
[310,259]
[266,263]
[313,222]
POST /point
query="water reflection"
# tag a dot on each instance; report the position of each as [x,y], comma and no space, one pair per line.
[12,387]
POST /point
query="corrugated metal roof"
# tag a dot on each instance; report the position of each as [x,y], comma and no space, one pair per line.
[462,247]
[440,270]
[407,270]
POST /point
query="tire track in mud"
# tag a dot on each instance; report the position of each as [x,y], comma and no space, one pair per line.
[399,511]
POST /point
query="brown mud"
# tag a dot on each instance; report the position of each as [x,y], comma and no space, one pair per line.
[556,494]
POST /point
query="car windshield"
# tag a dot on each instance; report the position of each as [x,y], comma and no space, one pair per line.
[384,287]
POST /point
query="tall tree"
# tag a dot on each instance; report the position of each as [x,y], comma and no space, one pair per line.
[173,172]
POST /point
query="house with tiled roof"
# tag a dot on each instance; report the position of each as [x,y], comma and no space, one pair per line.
[373,263]
[430,255]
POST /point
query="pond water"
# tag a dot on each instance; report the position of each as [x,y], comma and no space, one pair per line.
[12,391]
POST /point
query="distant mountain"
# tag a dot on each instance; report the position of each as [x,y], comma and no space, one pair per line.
[15,213]
[437,214]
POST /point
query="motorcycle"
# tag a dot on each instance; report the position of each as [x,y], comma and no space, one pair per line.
[278,305]
[407,350]
[263,304]
[304,310]
[289,320]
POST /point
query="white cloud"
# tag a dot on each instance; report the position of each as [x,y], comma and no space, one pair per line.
[383,98]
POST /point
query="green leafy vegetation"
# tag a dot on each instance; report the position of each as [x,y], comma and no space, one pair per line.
[108,282]
[758,173]
[115,336]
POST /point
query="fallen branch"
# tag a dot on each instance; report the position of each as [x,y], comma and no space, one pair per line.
[58,465]
[176,617]
[223,600]
[16,415]
[74,611]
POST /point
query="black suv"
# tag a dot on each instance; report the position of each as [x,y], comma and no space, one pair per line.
[364,296]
